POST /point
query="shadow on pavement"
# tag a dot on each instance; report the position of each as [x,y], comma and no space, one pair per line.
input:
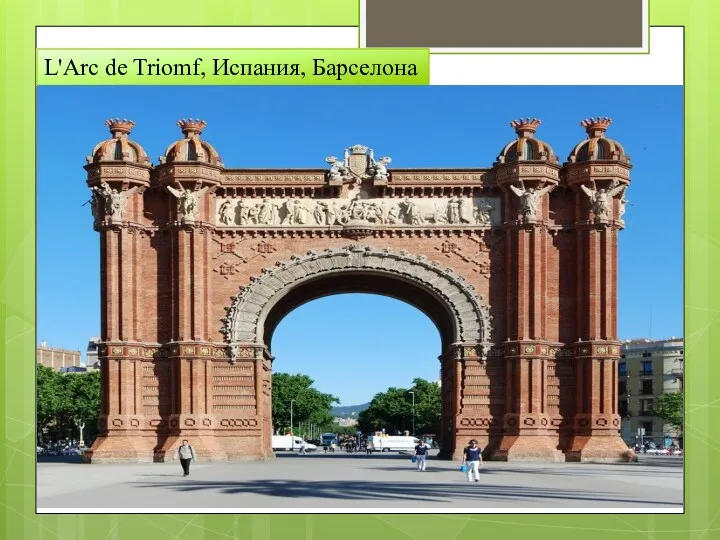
[389,491]
[344,455]
[59,459]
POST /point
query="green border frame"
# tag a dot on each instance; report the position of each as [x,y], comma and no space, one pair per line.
[17,304]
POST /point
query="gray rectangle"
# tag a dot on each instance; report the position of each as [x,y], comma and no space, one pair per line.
[503,23]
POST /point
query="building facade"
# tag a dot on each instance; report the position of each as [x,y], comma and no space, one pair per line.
[646,370]
[91,354]
[516,264]
[56,358]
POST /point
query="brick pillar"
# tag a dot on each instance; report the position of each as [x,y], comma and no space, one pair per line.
[527,431]
[124,432]
[596,423]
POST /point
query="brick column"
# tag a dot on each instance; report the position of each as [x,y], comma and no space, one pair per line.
[596,423]
[527,430]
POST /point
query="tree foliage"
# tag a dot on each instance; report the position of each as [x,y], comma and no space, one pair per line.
[393,409]
[66,401]
[309,404]
[669,407]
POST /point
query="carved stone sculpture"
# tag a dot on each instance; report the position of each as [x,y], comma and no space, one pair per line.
[187,201]
[338,171]
[114,200]
[529,199]
[621,206]
[412,214]
[482,213]
[297,212]
[601,200]
[268,213]
[453,210]
[380,172]
[226,213]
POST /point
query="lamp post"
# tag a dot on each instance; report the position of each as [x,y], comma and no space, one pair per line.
[413,411]
[292,431]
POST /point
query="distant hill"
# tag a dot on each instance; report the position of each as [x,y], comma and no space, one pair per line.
[349,411]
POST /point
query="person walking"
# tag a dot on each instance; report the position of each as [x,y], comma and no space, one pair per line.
[186,454]
[421,451]
[302,449]
[472,457]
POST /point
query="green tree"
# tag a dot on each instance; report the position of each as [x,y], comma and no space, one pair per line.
[49,396]
[309,404]
[393,409]
[669,407]
[65,401]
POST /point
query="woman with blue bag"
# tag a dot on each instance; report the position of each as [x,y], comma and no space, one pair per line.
[472,459]
[420,454]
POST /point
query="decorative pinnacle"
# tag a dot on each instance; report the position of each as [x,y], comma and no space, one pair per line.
[191,127]
[595,127]
[525,127]
[119,127]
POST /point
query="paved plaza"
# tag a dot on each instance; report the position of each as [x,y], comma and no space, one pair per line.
[359,481]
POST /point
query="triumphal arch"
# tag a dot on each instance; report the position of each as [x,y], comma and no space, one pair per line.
[516,264]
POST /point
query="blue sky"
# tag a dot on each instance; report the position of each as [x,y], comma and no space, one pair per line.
[418,127]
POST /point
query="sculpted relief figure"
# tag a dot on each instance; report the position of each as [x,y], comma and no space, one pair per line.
[483,213]
[268,213]
[295,212]
[529,199]
[114,200]
[393,216]
[621,206]
[254,214]
[187,201]
[300,212]
[379,167]
[357,209]
[227,213]
[453,210]
[338,169]
[601,199]
[411,213]
[319,213]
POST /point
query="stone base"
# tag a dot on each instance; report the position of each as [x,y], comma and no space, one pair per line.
[120,449]
[140,449]
[527,447]
[599,449]
[211,448]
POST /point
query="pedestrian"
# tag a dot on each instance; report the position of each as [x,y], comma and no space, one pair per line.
[421,451]
[472,457]
[186,454]
[325,449]
[302,449]
[332,447]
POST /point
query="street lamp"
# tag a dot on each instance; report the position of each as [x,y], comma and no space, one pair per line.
[413,411]
[292,431]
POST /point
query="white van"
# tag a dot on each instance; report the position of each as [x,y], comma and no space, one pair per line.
[286,442]
[392,443]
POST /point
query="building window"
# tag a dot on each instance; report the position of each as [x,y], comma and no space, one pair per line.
[646,407]
[622,387]
[646,368]
[623,408]
[622,369]
[647,426]
[647,387]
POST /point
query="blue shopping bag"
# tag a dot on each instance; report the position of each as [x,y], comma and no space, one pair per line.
[463,468]
[413,459]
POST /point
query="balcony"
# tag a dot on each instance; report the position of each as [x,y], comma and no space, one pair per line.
[645,373]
